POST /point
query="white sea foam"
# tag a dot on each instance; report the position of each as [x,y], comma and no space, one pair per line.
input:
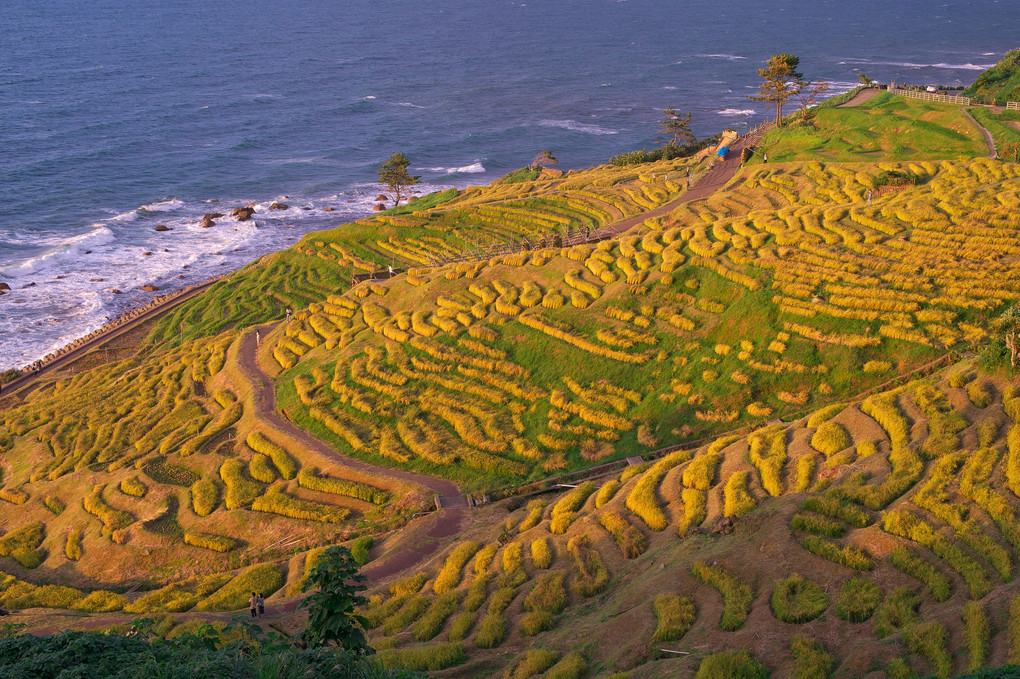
[473,168]
[727,57]
[368,97]
[909,64]
[409,104]
[163,206]
[587,128]
[736,112]
[69,249]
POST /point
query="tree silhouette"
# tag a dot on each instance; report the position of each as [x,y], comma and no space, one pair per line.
[676,126]
[542,159]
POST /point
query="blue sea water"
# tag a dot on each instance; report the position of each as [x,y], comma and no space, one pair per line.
[116,115]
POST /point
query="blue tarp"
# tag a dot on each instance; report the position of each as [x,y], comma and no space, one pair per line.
[723,150]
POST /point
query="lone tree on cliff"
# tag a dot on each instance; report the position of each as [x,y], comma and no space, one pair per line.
[780,81]
[393,173]
[677,127]
[542,160]
[808,95]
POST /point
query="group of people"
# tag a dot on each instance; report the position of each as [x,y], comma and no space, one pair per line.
[257,604]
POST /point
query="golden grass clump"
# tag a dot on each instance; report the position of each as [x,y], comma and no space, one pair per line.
[632,542]
[731,664]
[450,574]
[534,662]
[541,553]
[737,501]
[930,640]
[73,548]
[275,501]
[204,496]
[1013,631]
[606,493]
[54,504]
[265,578]
[240,491]
[260,443]
[847,555]
[977,631]
[512,562]
[431,658]
[441,608]
[534,515]
[674,615]
[546,600]
[216,543]
[830,438]
[736,595]
[310,478]
[643,499]
[260,468]
[571,666]
[910,563]
[113,519]
[810,659]
[133,486]
[565,510]
[100,601]
[907,525]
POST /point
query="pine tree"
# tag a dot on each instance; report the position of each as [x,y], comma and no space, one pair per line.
[676,126]
[780,81]
[393,173]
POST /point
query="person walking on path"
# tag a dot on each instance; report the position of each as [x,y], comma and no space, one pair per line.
[253,605]
[261,604]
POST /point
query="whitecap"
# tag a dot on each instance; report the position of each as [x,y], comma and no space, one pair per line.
[368,97]
[68,249]
[573,125]
[473,168]
[669,87]
[162,206]
[736,112]
[409,104]
[910,64]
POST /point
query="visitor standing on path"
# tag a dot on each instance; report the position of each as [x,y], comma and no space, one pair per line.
[253,605]
[261,601]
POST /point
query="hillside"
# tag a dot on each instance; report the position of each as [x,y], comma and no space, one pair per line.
[556,324]
[999,84]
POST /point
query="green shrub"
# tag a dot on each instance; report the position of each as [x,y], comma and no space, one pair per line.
[534,662]
[450,574]
[412,609]
[977,631]
[260,443]
[100,601]
[491,631]
[216,543]
[818,525]
[899,668]
[731,665]
[442,607]
[204,496]
[133,486]
[360,547]
[858,599]
[848,555]
[810,659]
[916,567]
[572,666]
[736,595]
[310,478]
[632,541]
[424,659]
[897,612]
[830,438]
[265,578]
[674,615]
[931,641]
[541,553]
[592,576]
[797,600]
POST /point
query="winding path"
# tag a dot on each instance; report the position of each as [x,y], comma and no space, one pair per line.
[425,532]
[867,94]
[989,141]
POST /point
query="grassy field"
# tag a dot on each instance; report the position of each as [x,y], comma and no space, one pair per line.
[887,128]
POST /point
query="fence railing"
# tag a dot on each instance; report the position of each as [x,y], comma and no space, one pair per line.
[1013,105]
[933,96]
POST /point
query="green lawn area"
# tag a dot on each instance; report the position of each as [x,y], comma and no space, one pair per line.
[1005,126]
[886,128]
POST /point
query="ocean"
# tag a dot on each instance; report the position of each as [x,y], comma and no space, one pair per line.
[119,116]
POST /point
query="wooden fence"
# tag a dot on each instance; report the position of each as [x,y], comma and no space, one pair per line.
[932,96]
[1013,105]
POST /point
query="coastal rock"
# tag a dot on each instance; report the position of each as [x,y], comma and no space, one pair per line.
[379,207]
[208,220]
[279,206]
[162,227]
[4,286]
[149,288]
[243,214]
[327,209]
[116,291]
[146,254]
[29,285]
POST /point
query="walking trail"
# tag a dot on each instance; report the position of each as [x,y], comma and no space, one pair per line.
[989,141]
[867,94]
